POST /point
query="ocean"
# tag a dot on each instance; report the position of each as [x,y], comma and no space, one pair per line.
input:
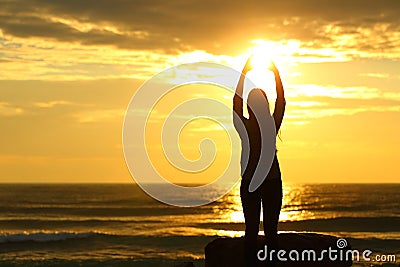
[119,225]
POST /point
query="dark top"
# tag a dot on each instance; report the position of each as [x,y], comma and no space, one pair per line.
[254,136]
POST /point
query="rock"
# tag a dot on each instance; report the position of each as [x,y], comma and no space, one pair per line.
[229,251]
[185,264]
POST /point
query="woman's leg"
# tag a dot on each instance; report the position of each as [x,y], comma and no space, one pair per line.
[251,203]
[271,202]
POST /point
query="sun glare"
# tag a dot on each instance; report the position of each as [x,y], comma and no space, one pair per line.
[260,74]
[260,59]
[266,51]
[263,53]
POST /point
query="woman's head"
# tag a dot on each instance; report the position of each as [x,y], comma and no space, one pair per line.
[257,103]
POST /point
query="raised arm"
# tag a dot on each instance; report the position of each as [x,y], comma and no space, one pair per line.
[238,97]
[280,102]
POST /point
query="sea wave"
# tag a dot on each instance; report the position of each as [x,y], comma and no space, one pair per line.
[339,224]
[45,236]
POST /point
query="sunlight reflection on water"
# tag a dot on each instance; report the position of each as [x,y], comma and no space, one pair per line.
[293,208]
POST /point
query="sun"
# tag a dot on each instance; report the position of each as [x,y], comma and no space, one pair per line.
[283,54]
[263,53]
[261,59]
[260,75]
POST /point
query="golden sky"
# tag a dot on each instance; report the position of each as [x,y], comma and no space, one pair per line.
[69,69]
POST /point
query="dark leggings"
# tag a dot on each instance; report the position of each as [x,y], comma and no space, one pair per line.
[270,195]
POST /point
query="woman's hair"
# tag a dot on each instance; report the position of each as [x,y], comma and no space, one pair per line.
[257,102]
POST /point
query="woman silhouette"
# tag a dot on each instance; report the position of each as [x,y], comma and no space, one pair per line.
[269,193]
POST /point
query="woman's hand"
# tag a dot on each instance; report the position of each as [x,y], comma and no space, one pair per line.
[247,67]
[273,68]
